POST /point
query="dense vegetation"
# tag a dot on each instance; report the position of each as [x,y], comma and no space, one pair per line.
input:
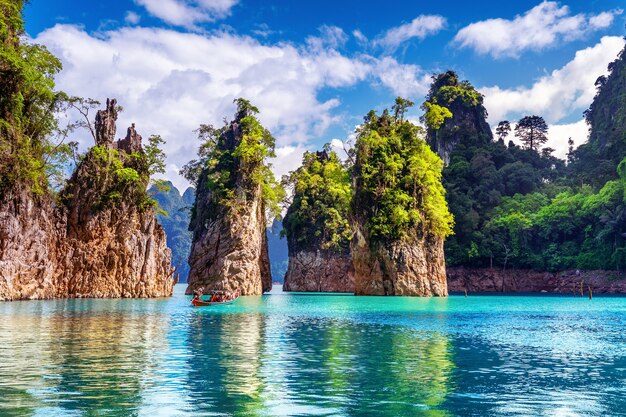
[397,179]
[522,207]
[230,162]
[318,215]
[29,104]
[453,114]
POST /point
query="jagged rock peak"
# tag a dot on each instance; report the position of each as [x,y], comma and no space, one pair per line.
[105,124]
[131,143]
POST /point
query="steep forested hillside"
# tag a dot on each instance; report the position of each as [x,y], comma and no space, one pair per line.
[521,207]
[481,171]
[594,162]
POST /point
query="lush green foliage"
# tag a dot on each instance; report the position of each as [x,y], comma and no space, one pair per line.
[481,172]
[231,163]
[453,114]
[594,162]
[28,105]
[398,191]
[318,215]
[520,208]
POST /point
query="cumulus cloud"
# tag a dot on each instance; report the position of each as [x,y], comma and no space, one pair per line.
[556,95]
[170,82]
[420,27]
[330,37]
[406,80]
[132,18]
[543,26]
[188,13]
[558,135]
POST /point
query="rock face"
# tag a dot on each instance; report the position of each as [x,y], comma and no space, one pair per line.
[229,246]
[519,280]
[88,246]
[468,123]
[316,226]
[414,268]
[319,271]
[28,243]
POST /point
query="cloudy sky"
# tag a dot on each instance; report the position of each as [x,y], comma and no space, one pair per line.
[315,68]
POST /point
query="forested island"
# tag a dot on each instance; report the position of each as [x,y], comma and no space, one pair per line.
[406,209]
[94,234]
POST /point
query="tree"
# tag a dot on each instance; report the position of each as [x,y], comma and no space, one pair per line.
[503,130]
[401,106]
[231,165]
[318,215]
[531,130]
[397,178]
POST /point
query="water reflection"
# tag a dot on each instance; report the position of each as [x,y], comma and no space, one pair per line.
[257,364]
[314,355]
[69,357]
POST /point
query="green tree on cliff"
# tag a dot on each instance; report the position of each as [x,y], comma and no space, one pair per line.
[28,105]
[398,190]
[234,158]
[318,214]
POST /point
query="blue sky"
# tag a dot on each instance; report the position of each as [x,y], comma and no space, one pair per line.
[315,68]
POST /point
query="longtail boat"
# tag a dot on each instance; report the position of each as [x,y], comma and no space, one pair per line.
[224,297]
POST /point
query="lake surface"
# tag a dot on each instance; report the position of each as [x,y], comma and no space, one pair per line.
[330,355]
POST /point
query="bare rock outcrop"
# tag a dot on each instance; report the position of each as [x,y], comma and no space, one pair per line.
[482,280]
[28,243]
[230,252]
[229,246]
[101,240]
[319,271]
[415,267]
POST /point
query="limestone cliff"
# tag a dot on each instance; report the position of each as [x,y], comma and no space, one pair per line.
[229,246]
[480,280]
[398,212]
[28,245]
[102,240]
[319,271]
[317,228]
[413,267]
[467,124]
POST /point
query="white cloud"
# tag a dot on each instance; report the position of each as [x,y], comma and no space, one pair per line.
[169,82]
[560,93]
[404,80]
[330,37]
[359,36]
[132,18]
[558,136]
[188,13]
[420,27]
[543,26]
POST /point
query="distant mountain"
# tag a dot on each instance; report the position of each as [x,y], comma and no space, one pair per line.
[176,223]
[277,247]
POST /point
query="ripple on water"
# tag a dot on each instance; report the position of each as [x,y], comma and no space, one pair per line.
[315,355]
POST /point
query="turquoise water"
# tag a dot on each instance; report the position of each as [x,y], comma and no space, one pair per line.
[324,355]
